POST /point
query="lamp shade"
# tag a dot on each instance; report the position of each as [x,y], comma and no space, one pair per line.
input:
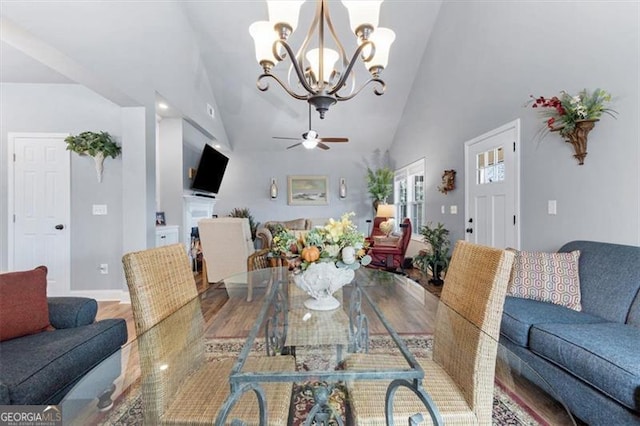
[363,12]
[382,39]
[263,37]
[328,62]
[284,12]
[386,210]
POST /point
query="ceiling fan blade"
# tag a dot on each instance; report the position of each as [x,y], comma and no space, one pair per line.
[334,139]
[294,145]
[322,146]
[285,138]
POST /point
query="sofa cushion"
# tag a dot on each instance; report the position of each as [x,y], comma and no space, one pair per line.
[23,303]
[67,312]
[520,314]
[634,313]
[56,359]
[548,277]
[605,355]
[609,278]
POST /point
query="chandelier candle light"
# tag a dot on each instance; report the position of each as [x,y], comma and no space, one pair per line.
[314,68]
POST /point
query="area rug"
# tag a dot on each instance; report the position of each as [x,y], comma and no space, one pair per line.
[507,409]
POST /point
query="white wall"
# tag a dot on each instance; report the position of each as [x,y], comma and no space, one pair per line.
[247,179]
[169,172]
[67,108]
[130,71]
[484,60]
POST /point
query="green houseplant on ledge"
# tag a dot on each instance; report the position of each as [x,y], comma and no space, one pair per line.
[434,260]
[380,185]
[96,145]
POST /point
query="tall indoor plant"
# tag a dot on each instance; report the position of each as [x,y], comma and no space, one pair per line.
[435,259]
[97,145]
[380,185]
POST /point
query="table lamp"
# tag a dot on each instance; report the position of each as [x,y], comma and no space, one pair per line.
[388,211]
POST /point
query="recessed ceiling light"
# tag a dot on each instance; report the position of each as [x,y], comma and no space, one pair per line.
[162,105]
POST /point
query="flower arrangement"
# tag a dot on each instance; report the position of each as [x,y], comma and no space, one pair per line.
[284,242]
[337,242]
[562,113]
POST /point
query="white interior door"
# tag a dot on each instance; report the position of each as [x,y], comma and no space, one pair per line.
[492,187]
[39,209]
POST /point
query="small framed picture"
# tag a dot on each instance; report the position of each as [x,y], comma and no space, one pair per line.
[307,190]
[160,220]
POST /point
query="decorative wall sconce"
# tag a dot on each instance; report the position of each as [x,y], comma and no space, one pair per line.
[273,189]
[448,181]
[342,189]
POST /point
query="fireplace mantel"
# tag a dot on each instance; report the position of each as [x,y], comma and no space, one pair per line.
[195,208]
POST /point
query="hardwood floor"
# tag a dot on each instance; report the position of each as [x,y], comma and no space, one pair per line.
[233,320]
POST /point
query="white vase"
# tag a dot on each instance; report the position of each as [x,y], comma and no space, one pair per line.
[320,281]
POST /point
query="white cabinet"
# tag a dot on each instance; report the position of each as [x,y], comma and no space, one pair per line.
[166,235]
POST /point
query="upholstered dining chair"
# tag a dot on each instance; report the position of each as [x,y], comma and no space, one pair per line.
[460,375]
[179,385]
[226,245]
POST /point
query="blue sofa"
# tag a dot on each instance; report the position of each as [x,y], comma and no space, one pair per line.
[590,359]
[39,369]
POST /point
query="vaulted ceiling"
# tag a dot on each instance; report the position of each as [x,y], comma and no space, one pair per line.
[252,117]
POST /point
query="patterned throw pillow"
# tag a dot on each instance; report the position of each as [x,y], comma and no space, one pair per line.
[548,277]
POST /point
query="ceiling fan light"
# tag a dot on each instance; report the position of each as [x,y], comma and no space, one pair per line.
[263,37]
[328,62]
[382,39]
[284,12]
[363,13]
[310,143]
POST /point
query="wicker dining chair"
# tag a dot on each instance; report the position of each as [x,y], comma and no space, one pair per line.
[179,384]
[260,260]
[460,376]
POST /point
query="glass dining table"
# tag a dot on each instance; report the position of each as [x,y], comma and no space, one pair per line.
[264,311]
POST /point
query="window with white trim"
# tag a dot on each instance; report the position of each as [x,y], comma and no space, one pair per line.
[409,194]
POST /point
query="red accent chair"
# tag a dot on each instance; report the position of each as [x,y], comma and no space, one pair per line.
[375,229]
[392,257]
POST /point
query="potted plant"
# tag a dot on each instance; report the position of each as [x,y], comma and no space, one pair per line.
[434,260]
[380,185]
[97,145]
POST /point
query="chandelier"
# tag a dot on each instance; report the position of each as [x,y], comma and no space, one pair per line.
[315,71]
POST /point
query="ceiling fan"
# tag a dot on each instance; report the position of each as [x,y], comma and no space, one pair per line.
[310,138]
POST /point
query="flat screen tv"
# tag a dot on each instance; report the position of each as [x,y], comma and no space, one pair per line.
[210,171]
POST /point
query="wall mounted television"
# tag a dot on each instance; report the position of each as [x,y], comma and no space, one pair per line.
[210,171]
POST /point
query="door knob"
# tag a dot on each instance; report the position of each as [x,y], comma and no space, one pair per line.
[59,226]
[469,230]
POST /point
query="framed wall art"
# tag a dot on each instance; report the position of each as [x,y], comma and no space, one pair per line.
[307,190]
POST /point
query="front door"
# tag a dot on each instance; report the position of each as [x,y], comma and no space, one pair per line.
[39,207]
[492,187]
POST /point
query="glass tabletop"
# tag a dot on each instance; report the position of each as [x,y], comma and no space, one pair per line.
[262,313]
